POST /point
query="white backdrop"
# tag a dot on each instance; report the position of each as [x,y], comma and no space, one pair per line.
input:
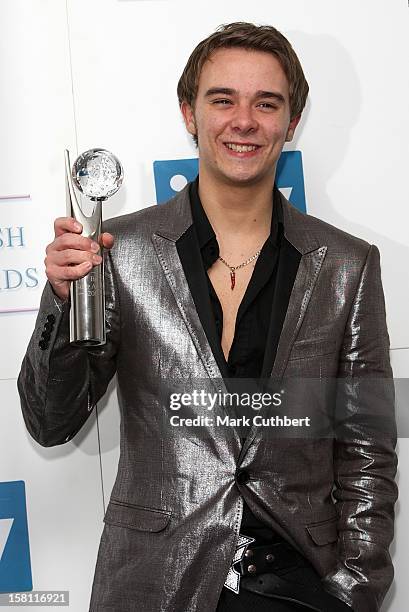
[83,73]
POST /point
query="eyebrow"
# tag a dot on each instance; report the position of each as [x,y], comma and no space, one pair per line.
[227,91]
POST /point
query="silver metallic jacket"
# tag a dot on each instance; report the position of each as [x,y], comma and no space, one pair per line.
[174,517]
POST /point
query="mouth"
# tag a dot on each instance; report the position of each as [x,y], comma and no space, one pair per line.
[241,149]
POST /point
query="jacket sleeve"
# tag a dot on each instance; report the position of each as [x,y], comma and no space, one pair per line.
[59,384]
[364,450]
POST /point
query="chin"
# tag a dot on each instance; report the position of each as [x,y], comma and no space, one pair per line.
[244,178]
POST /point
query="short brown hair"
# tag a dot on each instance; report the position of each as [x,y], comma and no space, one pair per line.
[252,37]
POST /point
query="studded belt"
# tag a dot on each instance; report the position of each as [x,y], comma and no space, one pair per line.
[251,559]
[259,559]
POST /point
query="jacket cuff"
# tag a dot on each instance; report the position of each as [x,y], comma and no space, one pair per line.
[51,313]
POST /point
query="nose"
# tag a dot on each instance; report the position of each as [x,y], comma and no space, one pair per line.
[244,119]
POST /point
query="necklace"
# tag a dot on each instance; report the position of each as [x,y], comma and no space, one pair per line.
[234,268]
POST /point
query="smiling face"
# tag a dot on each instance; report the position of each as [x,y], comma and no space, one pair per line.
[241,116]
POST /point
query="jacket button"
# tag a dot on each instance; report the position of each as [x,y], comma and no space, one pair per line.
[48,326]
[46,335]
[43,345]
[252,569]
[51,318]
[242,477]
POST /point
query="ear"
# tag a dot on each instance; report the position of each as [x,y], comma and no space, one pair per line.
[291,128]
[188,118]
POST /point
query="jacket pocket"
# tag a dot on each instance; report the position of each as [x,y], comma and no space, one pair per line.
[324,532]
[312,348]
[140,518]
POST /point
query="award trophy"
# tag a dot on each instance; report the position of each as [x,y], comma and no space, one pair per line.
[98,175]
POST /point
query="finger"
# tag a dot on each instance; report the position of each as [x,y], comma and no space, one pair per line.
[66,224]
[67,273]
[69,257]
[73,241]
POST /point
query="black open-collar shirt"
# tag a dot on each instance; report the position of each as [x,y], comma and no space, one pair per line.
[247,351]
[263,308]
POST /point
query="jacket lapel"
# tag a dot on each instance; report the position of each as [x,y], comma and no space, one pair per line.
[164,240]
[299,234]
[307,274]
[313,254]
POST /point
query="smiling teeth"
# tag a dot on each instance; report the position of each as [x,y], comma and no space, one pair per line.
[241,148]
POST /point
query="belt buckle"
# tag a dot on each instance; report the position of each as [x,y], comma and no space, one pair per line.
[232,581]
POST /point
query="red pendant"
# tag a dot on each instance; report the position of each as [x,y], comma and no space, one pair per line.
[233,279]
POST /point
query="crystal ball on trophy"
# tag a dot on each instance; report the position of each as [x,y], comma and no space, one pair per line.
[97,173]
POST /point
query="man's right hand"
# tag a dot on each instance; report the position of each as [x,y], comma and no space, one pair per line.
[70,256]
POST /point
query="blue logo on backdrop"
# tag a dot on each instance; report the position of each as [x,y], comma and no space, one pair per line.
[173,174]
[15,567]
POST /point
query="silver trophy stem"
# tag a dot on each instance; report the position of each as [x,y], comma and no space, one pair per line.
[87,314]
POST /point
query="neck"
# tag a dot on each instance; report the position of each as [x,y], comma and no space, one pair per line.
[240,210]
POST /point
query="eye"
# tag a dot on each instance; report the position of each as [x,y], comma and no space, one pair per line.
[222,101]
[268,105]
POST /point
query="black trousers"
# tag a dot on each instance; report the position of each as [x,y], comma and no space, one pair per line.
[250,602]
[304,577]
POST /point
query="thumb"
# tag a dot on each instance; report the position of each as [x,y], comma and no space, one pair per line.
[107,240]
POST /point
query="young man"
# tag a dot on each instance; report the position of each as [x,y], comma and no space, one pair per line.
[227,280]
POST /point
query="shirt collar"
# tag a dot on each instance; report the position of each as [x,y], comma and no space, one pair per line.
[204,230]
